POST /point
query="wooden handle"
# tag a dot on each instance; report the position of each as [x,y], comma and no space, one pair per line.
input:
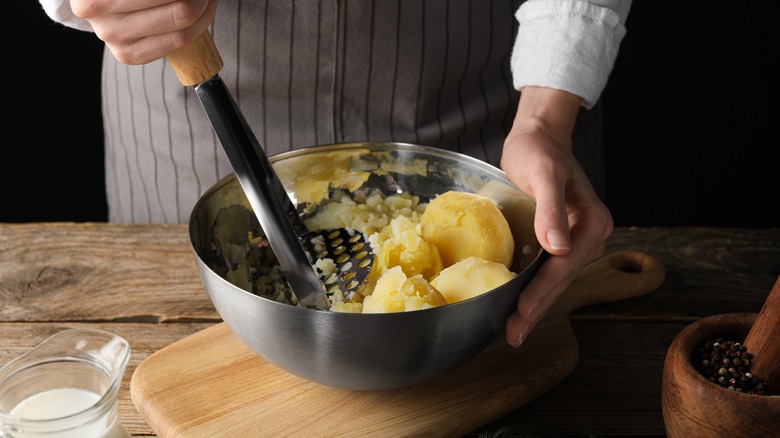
[616,276]
[196,62]
[763,341]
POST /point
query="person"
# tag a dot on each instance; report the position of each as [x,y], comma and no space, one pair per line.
[516,84]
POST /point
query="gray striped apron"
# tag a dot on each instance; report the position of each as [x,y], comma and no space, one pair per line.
[312,72]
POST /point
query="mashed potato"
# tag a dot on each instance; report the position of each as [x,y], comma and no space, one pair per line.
[400,244]
[395,292]
[367,214]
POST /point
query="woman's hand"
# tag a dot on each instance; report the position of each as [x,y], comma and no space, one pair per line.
[141,31]
[571,222]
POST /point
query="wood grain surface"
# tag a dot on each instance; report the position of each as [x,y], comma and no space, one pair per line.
[196,62]
[139,281]
[763,341]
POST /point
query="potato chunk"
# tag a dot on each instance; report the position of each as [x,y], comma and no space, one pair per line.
[470,277]
[463,225]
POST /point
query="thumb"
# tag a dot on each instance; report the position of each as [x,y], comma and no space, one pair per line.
[551,222]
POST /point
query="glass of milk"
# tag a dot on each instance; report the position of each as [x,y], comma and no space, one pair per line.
[67,386]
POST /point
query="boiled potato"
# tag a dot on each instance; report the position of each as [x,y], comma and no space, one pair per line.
[463,225]
[470,277]
[395,292]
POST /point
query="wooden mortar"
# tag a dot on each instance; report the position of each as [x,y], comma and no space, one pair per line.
[693,406]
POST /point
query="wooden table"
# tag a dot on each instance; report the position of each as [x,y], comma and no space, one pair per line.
[140,282]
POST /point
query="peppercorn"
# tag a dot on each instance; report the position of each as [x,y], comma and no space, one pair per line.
[727,363]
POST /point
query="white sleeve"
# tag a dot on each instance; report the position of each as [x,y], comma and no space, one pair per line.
[60,11]
[569,45]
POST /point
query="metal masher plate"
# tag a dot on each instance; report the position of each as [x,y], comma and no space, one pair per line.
[352,256]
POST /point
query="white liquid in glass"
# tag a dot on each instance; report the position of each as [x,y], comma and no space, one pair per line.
[55,403]
[61,402]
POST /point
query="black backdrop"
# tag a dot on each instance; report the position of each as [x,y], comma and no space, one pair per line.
[690,125]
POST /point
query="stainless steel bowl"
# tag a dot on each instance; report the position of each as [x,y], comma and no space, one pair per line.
[372,351]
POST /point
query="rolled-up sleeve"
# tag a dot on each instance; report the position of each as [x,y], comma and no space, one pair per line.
[569,45]
[60,11]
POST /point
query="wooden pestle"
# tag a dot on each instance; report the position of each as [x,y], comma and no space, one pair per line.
[763,341]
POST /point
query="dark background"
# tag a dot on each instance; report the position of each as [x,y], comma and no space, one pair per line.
[690,118]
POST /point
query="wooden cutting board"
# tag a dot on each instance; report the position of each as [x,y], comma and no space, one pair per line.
[210,384]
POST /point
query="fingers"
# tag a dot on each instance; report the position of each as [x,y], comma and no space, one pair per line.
[590,230]
[141,31]
[535,301]
[93,8]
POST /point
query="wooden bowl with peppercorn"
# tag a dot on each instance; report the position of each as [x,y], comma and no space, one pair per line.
[721,375]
